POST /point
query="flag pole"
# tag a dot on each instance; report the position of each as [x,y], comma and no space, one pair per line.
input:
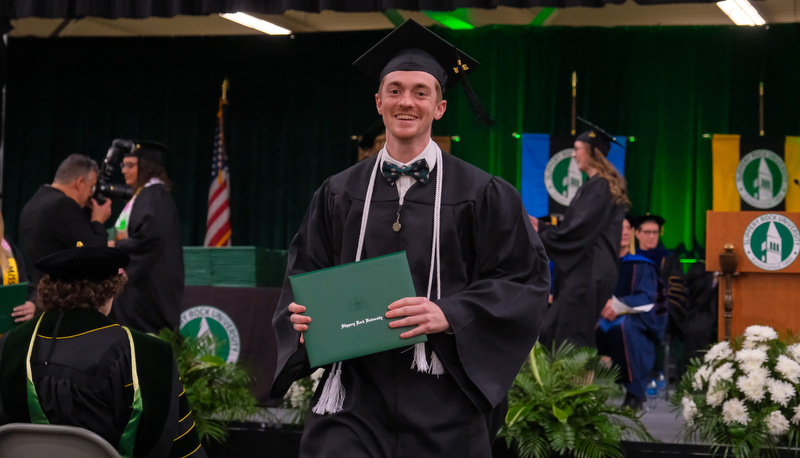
[761,108]
[574,93]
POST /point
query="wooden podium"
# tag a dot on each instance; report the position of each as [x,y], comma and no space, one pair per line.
[766,288]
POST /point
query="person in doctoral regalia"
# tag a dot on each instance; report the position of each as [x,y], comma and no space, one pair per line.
[478,267]
[631,339]
[149,230]
[85,370]
[649,228]
[585,246]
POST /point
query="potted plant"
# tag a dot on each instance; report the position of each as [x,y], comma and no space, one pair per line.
[742,396]
[218,391]
[559,406]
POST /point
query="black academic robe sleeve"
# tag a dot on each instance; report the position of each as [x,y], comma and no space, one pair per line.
[70,225]
[497,317]
[586,219]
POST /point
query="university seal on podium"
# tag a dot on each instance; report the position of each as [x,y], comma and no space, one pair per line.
[771,241]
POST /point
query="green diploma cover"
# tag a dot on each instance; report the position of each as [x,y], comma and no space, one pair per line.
[347,304]
[10,297]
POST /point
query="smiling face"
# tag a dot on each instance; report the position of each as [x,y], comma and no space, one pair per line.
[409,102]
[130,170]
[582,155]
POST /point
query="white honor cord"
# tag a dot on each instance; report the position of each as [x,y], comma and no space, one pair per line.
[365,214]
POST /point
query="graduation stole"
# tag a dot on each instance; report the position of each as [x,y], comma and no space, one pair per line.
[125,214]
[10,276]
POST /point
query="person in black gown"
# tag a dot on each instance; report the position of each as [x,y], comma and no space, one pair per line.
[482,309]
[585,246]
[87,371]
[149,230]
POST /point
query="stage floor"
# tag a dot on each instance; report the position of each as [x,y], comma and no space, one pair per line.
[255,437]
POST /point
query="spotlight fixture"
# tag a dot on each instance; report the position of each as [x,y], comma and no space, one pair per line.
[741,12]
[256,23]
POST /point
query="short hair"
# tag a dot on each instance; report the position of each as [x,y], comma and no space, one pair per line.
[73,167]
[57,295]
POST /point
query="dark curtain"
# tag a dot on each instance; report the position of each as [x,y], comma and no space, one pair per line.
[166,8]
[295,103]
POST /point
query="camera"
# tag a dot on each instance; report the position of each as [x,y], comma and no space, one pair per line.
[105,188]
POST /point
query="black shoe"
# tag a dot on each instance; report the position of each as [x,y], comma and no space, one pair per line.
[632,402]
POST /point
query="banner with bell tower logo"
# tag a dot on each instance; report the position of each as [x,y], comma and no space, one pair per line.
[550,176]
[756,173]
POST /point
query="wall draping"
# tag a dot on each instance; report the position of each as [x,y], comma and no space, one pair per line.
[294,103]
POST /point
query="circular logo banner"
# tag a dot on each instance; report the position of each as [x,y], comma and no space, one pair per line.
[211,324]
[771,241]
[762,179]
[562,177]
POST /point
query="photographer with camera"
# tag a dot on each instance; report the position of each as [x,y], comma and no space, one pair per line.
[64,212]
[148,229]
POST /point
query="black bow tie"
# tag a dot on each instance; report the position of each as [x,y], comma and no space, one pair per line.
[417,170]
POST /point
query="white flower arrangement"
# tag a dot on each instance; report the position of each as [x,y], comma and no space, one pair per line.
[744,394]
[298,398]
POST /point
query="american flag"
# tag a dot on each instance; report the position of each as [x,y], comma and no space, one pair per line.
[218,222]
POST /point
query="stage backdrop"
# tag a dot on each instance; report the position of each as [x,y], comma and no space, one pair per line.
[296,102]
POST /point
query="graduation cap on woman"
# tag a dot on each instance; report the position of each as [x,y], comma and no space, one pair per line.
[154,152]
[597,137]
[412,47]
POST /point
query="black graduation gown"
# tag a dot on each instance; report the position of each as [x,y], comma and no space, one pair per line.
[51,222]
[153,295]
[585,251]
[87,382]
[495,283]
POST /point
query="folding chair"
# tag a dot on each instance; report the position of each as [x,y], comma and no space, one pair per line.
[26,440]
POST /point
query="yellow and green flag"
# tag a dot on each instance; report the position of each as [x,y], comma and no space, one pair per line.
[756,173]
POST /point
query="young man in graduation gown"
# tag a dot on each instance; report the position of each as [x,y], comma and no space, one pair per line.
[480,306]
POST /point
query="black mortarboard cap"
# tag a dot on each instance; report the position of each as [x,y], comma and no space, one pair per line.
[151,151]
[93,263]
[648,217]
[597,137]
[412,47]
[631,220]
